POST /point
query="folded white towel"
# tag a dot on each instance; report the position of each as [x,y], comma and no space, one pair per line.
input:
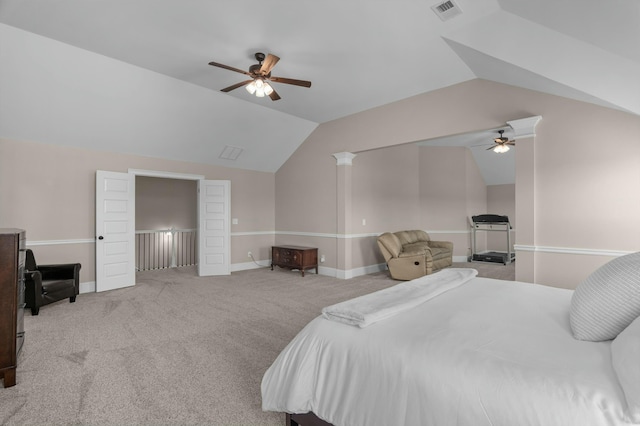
[365,310]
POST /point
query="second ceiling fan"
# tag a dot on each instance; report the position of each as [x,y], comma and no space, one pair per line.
[260,74]
[501,143]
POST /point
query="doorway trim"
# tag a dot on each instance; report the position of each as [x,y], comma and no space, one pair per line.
[169,175]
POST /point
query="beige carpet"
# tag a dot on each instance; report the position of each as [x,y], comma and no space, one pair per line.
[491,270]
[175,349]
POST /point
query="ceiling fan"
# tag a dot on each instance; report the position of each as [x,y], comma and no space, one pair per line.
[260,74]
[501,143]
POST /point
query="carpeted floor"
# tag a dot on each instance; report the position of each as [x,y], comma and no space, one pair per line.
[491,270]
[176,349]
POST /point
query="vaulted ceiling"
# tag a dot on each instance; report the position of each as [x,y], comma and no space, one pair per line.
[357,54]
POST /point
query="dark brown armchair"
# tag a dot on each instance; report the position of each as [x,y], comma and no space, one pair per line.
[46,284]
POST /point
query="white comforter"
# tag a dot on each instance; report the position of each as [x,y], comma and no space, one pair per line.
[489,352]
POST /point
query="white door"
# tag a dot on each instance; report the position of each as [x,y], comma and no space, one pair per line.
[115,230]
[214,198]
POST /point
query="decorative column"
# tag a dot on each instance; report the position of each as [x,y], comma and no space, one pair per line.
[344,160]
[524,134]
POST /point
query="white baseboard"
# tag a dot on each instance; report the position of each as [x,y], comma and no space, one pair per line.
[364,270]
[322,270]
[88,287]
[333,272]
[236,267]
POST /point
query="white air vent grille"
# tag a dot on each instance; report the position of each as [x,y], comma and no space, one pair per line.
[447,9]
[231,153]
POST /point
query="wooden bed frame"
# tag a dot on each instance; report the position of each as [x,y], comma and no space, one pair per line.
[306,419]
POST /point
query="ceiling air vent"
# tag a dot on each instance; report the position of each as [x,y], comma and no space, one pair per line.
[231,153]
[447,9]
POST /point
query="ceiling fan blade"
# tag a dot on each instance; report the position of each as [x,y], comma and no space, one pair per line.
[491,147]
[513,143]
[227,67]
[235,86]
[274,96]
[293,81]
[268,64]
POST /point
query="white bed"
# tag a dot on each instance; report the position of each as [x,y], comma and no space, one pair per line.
[487,352]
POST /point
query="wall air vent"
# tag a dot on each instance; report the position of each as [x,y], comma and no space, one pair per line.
[447,9]
[230,153]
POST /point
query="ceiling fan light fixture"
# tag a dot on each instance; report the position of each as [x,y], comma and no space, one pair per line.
[261,87]
[251,87]
[268,89]
[501,149]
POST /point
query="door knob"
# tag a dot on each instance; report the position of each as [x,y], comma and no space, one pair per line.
[101,237]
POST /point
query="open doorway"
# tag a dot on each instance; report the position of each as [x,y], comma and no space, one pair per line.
[497,169]
[166,222]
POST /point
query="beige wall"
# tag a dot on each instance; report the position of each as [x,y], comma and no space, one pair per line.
[476,199]
[385,195]
[451,188]
[49,190]
[163,203]
[501,200]
[386,190]
[585,161]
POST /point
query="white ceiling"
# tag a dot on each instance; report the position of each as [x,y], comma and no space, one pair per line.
[358,54]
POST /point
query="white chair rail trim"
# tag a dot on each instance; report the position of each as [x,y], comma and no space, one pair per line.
[571,250]
[355,236]
[60,242]
[517,247]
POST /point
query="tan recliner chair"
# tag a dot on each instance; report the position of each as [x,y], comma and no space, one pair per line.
[412,254]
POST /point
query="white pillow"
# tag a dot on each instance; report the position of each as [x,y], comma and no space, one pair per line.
[625,357]
[607,301]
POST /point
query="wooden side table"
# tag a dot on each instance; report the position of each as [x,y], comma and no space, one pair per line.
[294,257]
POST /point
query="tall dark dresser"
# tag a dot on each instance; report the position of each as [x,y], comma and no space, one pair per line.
[12,257]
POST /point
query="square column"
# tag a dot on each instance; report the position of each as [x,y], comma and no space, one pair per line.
[344,182]
[524,130]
